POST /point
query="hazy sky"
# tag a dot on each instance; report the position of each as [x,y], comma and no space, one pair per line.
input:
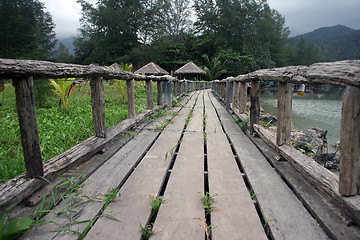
[301,16]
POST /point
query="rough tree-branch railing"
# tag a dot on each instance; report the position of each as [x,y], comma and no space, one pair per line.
[342,73]
[24,72]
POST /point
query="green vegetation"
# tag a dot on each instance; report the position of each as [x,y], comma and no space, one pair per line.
[58,130]
[155,202]
[146,231]
[208,200]
[27,31]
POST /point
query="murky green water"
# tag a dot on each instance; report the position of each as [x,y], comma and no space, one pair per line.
[311,110]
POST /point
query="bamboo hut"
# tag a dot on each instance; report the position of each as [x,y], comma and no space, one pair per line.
[151,69]
[190,70]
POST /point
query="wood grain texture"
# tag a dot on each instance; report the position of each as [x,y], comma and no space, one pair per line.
[25,104]
[149,94]
[255,105]
[131,98]
[242,97]
[349,181]
[98,106]
[284,105]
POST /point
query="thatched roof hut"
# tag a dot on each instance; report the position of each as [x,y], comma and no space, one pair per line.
[190,68]
[151,69]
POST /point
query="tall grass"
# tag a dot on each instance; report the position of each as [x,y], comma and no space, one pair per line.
[58,130]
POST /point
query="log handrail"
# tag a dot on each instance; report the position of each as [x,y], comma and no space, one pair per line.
[24,72]
[341,73]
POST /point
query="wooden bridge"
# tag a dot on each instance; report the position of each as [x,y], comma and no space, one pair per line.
[208,178]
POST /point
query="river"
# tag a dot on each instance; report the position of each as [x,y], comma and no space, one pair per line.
[311,110]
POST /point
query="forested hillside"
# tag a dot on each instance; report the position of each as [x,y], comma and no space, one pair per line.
[333,43]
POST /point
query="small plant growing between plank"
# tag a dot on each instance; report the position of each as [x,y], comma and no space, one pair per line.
[147,231]
[155,202]
[208,200]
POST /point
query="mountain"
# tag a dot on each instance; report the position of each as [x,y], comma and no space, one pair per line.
[68,42]
[333,43]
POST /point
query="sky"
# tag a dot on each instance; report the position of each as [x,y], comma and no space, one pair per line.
[301,16]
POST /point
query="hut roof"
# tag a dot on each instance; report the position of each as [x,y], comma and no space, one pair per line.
[151,68]
[190,68]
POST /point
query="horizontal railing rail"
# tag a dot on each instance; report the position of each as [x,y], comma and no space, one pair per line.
[343,73]
[24,72]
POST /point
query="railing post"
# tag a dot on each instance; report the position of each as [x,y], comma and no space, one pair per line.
[164,88]
[284,103]
[228,96]
[216,87]
[169,92]
[185,86]
[149,94]
[176,89]
[235,95]
[349,180]
[159,93]
[242,97]
[204,87]
[131,98]
[255,105]
[25,104]
[98,106]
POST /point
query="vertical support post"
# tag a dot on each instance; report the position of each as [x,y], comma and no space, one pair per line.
[25,104]
[203,87]
[185,86]
[149,94]
[242,97]
[228,94]
[164,92]
[176,89]
[216,87]
[349,180]
[236,95]
[131,98]
[284,104]
[255,105]
[98,106]
[159,93]
[169,92]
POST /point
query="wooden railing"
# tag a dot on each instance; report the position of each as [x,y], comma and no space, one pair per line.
[24,72]
[344,73]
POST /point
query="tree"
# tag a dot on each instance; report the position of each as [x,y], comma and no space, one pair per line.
[247,30]
[214,67]
[109,30]
[26,30]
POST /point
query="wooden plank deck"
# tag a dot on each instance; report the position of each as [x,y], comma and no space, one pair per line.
[199,159]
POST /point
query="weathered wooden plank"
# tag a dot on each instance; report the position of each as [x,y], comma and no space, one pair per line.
[107,177]
[98,106]
[323,208]
[234,216]
[284,105]
[196,120]
[131,98]
[179,214]
[149,94]
[25,104]
[321,177]
[255,105]
[134,209]
[290,220]
[349,181]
